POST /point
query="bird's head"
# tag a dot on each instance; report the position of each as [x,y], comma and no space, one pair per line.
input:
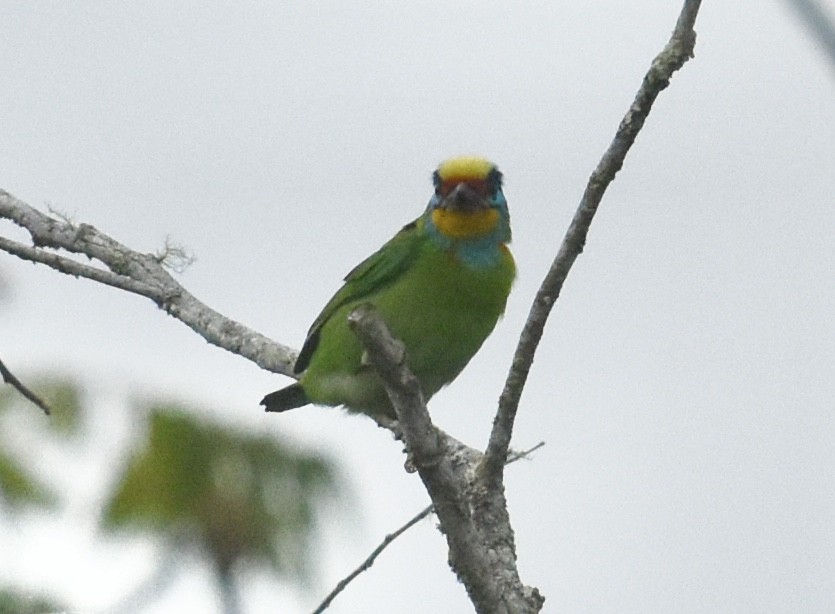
[468,202]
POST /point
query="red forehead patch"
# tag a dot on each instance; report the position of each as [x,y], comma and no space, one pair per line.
[479,186]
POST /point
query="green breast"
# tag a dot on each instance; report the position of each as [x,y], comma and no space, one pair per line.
[441,309]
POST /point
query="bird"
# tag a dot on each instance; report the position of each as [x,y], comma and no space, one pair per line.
[440,284]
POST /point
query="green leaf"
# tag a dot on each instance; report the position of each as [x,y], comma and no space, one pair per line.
[239,496]
[19,488]
[61,394]
[18,602]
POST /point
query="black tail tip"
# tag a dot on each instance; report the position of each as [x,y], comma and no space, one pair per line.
[286,398]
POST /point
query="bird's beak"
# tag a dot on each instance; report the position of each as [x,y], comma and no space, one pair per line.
[464,199]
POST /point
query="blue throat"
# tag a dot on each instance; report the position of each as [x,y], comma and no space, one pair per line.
[478,253]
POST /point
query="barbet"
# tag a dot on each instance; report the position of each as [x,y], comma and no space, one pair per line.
[440,284]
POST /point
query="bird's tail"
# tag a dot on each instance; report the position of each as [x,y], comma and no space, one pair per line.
[286,398]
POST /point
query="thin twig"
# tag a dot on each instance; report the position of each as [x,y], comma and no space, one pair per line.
[367,563]
[677,51]
[75,268]
[15,383]
[515,456]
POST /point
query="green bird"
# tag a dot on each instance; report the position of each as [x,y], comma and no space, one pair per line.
[440,284]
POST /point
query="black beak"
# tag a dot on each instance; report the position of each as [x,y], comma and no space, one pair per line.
[464,199]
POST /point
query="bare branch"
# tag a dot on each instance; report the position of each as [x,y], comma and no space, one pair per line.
[677,51]
[15,383]
[142,274]
[73,267]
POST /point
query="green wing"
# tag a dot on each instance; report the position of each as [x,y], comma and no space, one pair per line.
[377,271]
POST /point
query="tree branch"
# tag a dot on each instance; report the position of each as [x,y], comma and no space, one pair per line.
[142,274]
[678,50]
[473,517]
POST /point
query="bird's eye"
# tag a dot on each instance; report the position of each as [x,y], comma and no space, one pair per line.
[437,182]
[494,183]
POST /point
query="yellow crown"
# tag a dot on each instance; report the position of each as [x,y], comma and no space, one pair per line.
[463,167]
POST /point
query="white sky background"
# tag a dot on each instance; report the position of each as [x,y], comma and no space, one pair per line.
[685,384]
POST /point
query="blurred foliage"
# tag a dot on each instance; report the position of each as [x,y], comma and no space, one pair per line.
[19,487]
[239,497]
[61,394]
[241,500]
[17,602]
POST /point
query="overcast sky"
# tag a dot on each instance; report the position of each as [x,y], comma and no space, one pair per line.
[684,387]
